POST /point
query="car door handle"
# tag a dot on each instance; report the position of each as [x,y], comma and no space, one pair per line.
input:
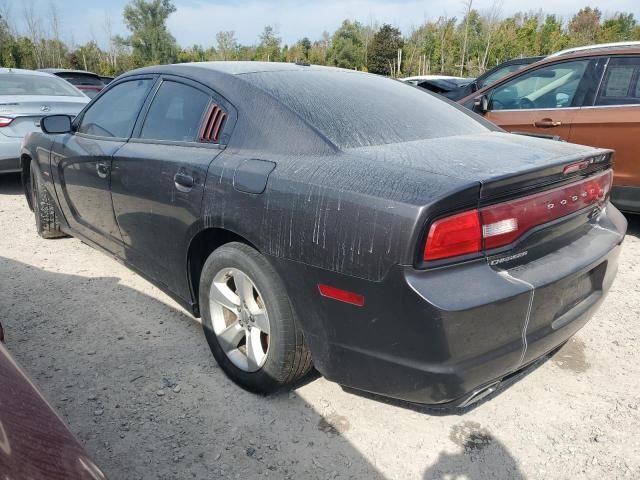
[183,182]
[546,123]
[102,169]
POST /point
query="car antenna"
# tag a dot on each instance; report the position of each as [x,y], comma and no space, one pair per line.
[302,64]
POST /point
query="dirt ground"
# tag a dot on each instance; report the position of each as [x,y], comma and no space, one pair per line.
[131,373]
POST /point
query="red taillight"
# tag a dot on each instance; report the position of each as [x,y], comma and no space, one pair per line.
[501,224]
[4,121]
[341,295]
[452,236]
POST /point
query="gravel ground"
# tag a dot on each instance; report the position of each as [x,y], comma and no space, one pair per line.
[131,373]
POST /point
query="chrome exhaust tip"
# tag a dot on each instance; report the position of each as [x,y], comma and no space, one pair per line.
[479,394]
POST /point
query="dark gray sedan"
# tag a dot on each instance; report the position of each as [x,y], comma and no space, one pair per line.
[401,244]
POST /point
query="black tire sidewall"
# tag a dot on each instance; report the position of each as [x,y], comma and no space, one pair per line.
[35,198]
[282,343]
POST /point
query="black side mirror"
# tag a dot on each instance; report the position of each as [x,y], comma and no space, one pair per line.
[55,124]
[481,104]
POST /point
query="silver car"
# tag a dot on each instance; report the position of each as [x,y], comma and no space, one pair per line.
[25,97]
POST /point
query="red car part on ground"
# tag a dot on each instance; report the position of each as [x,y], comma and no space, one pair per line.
[35,443]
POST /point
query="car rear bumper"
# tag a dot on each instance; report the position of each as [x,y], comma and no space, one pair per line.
[441,336]
[626,198]
[9,154]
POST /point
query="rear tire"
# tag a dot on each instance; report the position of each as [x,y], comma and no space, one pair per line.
[255,336]
[47,224]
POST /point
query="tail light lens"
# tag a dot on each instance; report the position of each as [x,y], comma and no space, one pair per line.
[5,121]
[454,236]
[501,224]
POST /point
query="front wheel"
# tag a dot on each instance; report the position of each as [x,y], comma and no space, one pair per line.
[249,322]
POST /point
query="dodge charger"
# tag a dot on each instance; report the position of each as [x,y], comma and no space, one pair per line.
[400,244]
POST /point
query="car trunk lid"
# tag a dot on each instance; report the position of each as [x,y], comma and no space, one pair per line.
[25,112]
[524,183]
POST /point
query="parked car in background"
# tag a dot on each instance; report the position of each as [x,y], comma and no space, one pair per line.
[89,83]
[441,84]
[590,96]
[491,76]
[597,46]
[106,80]
[403,245]
[35,443]
[25,96]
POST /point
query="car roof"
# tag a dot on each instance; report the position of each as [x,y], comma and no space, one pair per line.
[245,67]
[520,60]
[67,70]
[586,53]
[22,71]
[434,77]
[301,101]
[597,47]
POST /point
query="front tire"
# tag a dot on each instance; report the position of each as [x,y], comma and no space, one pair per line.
[47,224]
[249,322]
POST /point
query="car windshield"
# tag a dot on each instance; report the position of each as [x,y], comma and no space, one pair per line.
[21,84]
[498,74]
[358,110]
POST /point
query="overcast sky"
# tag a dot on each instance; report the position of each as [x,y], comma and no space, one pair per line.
[197,21]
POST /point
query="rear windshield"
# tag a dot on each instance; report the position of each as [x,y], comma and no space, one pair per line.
[81,79]
[20,84]
[357,110]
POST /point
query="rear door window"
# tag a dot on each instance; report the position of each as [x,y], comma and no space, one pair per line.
[551,86]
[621,82]
[115,112]
[175,113]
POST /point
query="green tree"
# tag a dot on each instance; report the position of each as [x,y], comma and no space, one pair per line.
[347,47]
[475,43]
[305,47]
[150,39]
[617,29]
[23,53]
[87,57]
[383,50]
[269,47]
[584,26]
[6,44]
[226,44]
[320,49]
[551,36]
[196,53]
[527,36]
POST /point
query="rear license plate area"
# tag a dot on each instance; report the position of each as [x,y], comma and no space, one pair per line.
[580,288]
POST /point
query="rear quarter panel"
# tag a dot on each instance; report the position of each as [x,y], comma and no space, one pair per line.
[340,213]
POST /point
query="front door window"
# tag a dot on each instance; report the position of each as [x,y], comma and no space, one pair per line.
[552,86]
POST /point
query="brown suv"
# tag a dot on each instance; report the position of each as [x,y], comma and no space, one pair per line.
[589,96]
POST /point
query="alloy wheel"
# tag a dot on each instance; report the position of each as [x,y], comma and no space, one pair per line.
[240,319]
